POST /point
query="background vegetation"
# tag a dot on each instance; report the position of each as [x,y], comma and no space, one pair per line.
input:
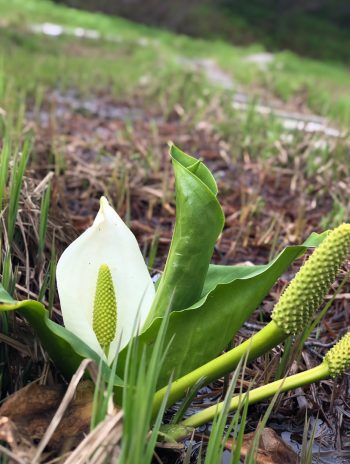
[277,24]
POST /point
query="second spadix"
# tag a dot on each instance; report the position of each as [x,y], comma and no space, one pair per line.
[290,315]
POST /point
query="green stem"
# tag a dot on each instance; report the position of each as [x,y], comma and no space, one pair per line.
[319,372]
[268,337]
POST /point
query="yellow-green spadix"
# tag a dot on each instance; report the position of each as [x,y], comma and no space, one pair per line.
[311,283]
[103,283]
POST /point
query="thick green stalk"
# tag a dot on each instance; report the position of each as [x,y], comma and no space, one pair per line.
[319,372]
[268,337]
[336,361]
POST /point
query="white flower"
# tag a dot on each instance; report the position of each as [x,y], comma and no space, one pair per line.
[107,243]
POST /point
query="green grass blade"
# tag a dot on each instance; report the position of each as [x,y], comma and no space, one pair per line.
[4,169]
[216,441]
[44,214]
[15,187]
[141,379]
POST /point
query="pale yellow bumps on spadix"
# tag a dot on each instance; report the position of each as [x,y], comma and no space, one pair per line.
[338,357]
[310,285]
[105,308]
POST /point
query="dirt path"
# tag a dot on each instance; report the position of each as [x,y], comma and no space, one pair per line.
[241,99]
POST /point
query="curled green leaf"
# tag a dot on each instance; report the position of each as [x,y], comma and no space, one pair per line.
[199,221]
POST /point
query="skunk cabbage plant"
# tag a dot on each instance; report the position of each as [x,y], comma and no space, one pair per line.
[106,292]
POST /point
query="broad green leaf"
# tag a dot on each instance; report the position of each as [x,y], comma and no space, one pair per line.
[64,348]
[200,332]
[199,221]
[218,274]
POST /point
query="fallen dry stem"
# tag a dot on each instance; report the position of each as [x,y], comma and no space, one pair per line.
[6,452]
[102,439]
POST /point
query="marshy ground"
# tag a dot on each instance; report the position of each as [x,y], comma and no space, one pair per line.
[101,110]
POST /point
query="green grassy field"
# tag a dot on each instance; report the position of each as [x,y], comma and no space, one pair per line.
[324,86]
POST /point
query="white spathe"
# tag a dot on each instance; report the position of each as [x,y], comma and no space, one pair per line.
[108,241]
